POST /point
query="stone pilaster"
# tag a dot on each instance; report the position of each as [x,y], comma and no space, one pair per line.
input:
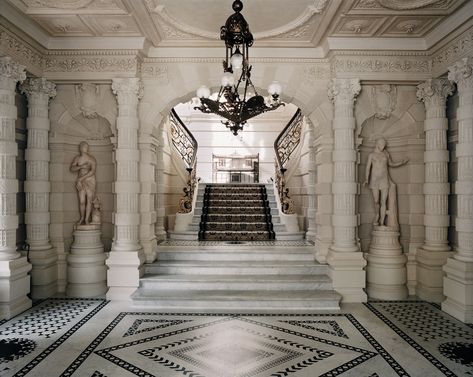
[126,256]
[37,188]
[14,278]
[458,283]
[434,253]
[159,230]
[312,205]
[345,258]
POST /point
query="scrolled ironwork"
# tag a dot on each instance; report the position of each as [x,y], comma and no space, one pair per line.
[183,140]
[284,146]
[186,145]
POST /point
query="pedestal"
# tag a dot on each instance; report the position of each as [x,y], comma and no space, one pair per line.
[458,288]
[86,270]
[386,271]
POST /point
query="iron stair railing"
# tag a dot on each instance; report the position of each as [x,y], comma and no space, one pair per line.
[284,145]
[186,145]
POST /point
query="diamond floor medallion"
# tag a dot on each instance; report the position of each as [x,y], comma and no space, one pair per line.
[232,347]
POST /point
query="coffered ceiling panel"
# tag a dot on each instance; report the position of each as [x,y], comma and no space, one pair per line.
[116,25]
[63,25]
[280,23]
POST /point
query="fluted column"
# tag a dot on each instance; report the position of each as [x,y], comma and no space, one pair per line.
[458,283]
[37,188]
[345,259]
[14,278]
[126,256]
[435,251]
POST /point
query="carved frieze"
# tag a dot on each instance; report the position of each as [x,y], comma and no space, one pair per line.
[452,52]
[11,69]
[23,53]
[156,71]
[78,63]
[388,64]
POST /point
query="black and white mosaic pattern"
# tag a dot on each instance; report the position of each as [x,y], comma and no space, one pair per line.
[100,339]
[445,342]
[249,243]
[30,338]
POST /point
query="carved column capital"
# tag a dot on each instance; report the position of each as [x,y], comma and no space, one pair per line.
[35,87]
[434,92]
[127,90]
[343,90]
[462,73]
[10,69]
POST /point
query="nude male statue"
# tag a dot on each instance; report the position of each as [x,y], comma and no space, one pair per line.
[380,183]
[86,166]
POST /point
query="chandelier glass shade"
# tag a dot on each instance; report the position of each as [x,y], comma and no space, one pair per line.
[237,100]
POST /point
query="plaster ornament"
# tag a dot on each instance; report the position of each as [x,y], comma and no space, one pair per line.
[96,211]
[383,98]
[85,165]
[408,4]
[87,96]
[383,189]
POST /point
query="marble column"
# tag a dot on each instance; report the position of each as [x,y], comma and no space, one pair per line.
[37,188]
[458,282]
[434,253]
[345,258]
[126,256]
[14,278]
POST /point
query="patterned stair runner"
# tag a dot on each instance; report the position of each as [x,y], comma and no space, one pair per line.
[236,213]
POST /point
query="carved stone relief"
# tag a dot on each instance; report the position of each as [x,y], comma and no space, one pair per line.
[383,99]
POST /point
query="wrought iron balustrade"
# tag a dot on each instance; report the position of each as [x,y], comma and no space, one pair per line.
[285,144]
[186,145]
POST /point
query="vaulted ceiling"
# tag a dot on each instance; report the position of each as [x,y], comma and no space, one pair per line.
[325,24]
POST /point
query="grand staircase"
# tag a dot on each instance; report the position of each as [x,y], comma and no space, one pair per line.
[236,213]
[227,276]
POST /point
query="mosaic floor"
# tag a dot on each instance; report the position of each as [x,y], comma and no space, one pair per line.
[88,337]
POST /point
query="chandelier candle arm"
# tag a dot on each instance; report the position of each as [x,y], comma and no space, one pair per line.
[237,108]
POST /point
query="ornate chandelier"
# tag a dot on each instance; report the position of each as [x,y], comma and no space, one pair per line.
[237,100]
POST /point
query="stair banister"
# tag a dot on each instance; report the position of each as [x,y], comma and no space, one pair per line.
[284,145]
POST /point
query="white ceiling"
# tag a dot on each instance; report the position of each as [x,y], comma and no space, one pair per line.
[274,23]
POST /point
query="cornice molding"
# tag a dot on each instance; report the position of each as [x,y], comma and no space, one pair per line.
[21,51]
[460,47]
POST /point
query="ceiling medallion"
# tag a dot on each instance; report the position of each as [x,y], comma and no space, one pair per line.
[237,100]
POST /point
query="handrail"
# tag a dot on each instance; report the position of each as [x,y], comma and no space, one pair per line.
[284,145]
[183,140]
[186,145]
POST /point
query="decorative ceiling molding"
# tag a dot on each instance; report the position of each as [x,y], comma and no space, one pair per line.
[290,30]
[60,4]
[411,4]
[21,51]
[457,49]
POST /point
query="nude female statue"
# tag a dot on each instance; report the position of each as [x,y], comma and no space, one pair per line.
[86,166]
[382,187]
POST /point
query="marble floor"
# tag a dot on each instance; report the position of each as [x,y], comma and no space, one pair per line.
[93,337]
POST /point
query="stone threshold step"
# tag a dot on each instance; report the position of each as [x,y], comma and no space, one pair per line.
[254,299]
[231,255]
[236,282]
[244,247]
[235,267]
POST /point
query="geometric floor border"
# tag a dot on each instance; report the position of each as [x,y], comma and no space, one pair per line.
[247,317]
[427,355]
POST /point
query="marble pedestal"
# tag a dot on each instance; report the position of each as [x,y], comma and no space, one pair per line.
[386,272]
[86,270]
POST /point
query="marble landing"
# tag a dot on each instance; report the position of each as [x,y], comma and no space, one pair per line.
[93,337]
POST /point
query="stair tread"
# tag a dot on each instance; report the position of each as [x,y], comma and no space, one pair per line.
[242,295]
[257,263]
[242,278]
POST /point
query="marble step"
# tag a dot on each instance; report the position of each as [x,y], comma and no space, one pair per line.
[242,217]
[289,236]
[229,254]
[196,227]
[236,282]
[196,267]
[236,235]
[237,300]
[198,211]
